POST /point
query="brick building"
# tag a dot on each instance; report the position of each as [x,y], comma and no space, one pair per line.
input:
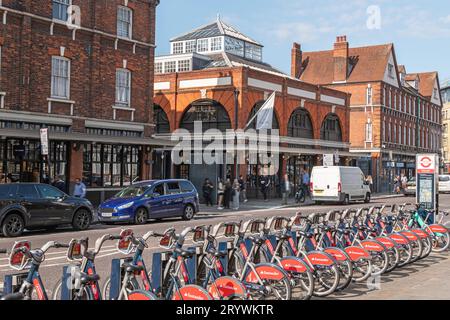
[217,75]
[394,114]
[445,93]
[90,84]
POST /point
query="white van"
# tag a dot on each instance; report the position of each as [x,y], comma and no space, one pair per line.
[339,184]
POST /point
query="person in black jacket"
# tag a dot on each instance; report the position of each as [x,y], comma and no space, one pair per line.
[60,184]
[228,194]
[207,192]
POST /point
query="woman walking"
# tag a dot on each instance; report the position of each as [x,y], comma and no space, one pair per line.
[227,194]
[236,194]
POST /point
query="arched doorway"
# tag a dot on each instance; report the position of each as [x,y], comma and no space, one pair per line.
[161,120]
[212,115]
[256,171]
[299,126]
[331,128]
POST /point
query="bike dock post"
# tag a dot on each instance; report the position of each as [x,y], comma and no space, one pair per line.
[159,262]
[13,282]
[224,246]
[66,291]
[117,275]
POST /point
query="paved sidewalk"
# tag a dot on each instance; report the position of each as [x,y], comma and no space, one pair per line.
[273,204]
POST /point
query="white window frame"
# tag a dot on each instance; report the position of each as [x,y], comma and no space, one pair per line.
[162,67]
[61,2]
[369,132]
[130,23]
[128,96]
[202,41]
[174,44]
[369,95]
[192,44]
[186,63]
[215,41]
[53,88]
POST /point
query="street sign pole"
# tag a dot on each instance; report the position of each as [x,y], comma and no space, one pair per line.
[427,195]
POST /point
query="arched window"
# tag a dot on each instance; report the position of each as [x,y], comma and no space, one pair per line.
[300,124]
[255,109]
[211,113]
[160,120]
[331,128]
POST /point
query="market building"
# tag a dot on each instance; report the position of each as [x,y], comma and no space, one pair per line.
[393,114]
[89,83]
[217,75]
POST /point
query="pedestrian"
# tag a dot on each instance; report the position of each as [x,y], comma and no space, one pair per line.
[305,181]
[369,182]
[264,184]
[243,189]
[404,181]
[397,184]
[220,194]
[285,189]
[60,184]
[80,189]
[207,192]
[235,194]
[227,194]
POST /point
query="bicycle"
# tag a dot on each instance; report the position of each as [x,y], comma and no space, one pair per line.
[84,280]
[22,258]
[264,281]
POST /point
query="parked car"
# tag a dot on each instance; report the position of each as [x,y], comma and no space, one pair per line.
[444,183]
[339,184]
[40,206]
[410,188]
[155,199]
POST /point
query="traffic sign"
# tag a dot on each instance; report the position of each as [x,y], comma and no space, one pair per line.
[427,181]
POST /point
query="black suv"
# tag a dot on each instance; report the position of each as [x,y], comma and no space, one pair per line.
[40,206]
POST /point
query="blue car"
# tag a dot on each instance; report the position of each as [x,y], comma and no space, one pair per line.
[155,199]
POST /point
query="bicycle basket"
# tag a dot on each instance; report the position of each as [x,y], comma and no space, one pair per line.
[199,234]
[17,259]
[124,245]
[74,252]
[167,241]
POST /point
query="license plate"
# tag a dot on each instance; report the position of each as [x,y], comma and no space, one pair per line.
[107,214]
[318,191]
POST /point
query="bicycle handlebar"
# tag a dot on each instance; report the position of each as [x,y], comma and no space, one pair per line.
[100,241]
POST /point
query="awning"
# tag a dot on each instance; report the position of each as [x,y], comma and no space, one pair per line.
[81,137]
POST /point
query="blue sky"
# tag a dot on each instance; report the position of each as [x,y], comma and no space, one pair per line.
[419,29]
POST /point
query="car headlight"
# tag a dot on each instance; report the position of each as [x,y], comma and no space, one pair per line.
[125,206]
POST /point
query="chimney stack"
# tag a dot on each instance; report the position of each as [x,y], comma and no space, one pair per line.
[296,61]
[340,57]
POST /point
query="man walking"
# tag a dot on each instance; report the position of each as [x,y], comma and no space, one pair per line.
[80,189]
[60,184]
[243,188]
[305,181]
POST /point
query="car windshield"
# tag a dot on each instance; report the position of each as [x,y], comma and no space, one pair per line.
[132,191]
[444,178]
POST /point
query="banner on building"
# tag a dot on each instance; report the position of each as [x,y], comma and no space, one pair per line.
[44,142]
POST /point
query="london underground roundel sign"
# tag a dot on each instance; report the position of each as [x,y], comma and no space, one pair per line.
[426,164]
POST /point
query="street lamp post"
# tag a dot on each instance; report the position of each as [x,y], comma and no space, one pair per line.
[236,122]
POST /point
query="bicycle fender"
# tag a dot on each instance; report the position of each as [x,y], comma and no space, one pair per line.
[410,235]
[421,233]
[265,271]
[337,253]
[399,238]
[387,242]
[192,292]
[372,245]
[318,258]
[142,295]
[438,228]
[357,253]
[294,264]
[226,288]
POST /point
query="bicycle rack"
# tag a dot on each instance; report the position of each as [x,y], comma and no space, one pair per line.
[225,246]
[13,282]
[117,275]
[69,282]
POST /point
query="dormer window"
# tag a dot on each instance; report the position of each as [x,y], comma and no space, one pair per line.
[177,47]
[391,70]
[216,44]
[202,45]
[234,46]
[190,46]
[253,52]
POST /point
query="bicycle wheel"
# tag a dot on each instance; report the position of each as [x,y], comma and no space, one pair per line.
[393,259]
[227,288]
[191,292]
[380,262]
[416,245]
[301,278]
[362,269]
[440,241]
[141,295]
[56,295]
[344,265]
[274,281]
[326,280]
[132,285]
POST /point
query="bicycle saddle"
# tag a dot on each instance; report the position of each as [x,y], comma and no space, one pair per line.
[88,278]
[13,297]
[256,239]
[132,268]
[306,234]
[218,254]
[189,253]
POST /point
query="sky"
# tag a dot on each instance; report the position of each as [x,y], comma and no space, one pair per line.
[419,29]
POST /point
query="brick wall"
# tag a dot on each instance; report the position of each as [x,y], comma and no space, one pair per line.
[28,46]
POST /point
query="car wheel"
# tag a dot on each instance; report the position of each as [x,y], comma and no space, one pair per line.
[141,216]
[81,220]
[367,198]
[188,212]
[13,226]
